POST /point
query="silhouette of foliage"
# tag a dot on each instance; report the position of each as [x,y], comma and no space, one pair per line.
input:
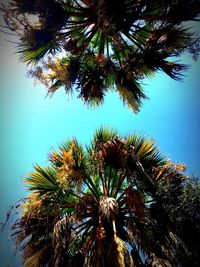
[117,202]
[103,39]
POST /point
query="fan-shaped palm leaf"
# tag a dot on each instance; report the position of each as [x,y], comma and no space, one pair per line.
[135,37]
[93,203]
[42,180]
[37,43]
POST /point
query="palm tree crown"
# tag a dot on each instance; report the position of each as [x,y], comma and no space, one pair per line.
[104,43]
[101,206]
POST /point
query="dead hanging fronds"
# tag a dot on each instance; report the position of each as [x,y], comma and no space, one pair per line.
[126,42]
[112,252]
[108,207]
[94,220]
[135,203]
[155,261]
[61,229]
[62,236]
[87,206]
[14,210]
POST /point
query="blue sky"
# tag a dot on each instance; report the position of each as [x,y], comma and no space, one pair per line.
[32,125]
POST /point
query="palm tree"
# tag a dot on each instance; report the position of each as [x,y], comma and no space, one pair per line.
[101,206]
[136,38]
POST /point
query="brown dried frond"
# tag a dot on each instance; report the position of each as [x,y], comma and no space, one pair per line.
[61,232]
[155,261]
[112,152]
[87,206]
[108,207]
[134,202]
[169,170]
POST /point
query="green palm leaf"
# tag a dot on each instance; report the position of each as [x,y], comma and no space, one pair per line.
[93,203]
[145,149]
[109,45]
[34,55]
[43,180]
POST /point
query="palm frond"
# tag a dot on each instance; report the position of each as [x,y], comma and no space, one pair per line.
[173,70]
[104,256]
[145,150]
[34,260]
[155,261]
[169,171]
[43,180]
[134,203]
[111,153]
[34,229]
[30,55]
[129,90]
[91,87]
[62,236]
[102,135]
[36,43]
[115,195]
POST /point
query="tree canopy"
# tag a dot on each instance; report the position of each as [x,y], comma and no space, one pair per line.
[95,45]
[115,202]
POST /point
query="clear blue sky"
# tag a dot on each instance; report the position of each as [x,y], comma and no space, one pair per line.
[31,125]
